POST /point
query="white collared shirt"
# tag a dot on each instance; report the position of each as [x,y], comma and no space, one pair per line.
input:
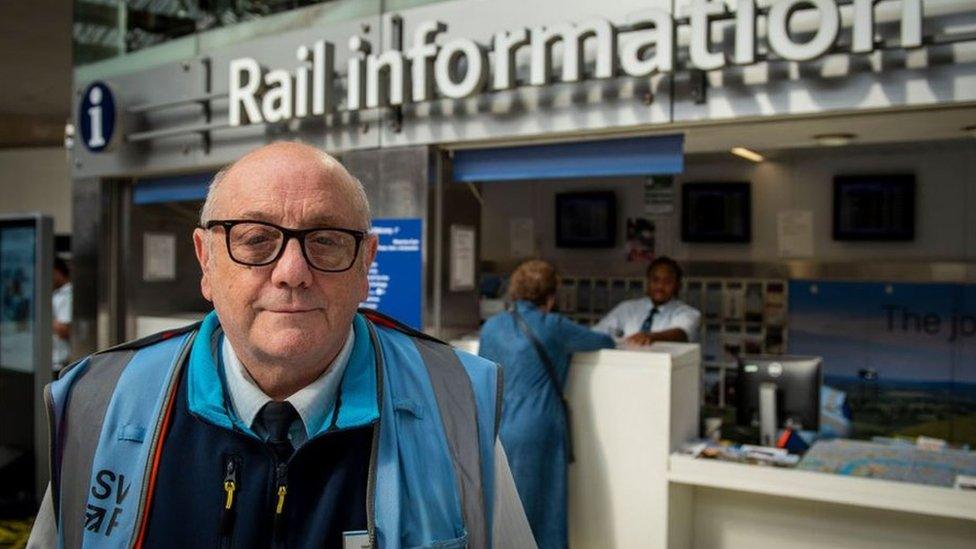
[61,312]
[312,402]
[627,317]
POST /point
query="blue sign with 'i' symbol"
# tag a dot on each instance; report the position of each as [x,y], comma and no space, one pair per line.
[96,117]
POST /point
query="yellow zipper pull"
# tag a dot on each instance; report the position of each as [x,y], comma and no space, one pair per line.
[282,490]
[228,516]
[229,487]
[278,526]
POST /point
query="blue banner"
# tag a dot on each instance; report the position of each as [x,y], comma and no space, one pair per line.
[630,156]
[395,276]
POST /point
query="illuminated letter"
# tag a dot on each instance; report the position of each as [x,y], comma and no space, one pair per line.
[655,29]
[572,37]
[323,67]
[421,57]
[911,25]
[276,103]
[390,61]
[355,91]
[243,95]
[301,83]
[700,12]
[477,68]
[779,33]
[504,45]
[745,33]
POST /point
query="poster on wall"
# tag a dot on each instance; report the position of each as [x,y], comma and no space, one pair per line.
[395,275]
[462,265]
[794,234]
[904,353]
[640,239]
[158,257]
[659,195]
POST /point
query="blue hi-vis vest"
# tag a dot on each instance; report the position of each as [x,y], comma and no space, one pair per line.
[431,466]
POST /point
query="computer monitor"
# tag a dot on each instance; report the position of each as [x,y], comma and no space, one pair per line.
[793,382]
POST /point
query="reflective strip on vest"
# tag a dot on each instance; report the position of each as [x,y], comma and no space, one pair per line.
[122,461]
[459,415]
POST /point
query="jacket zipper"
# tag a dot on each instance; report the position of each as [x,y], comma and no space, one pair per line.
[281,490]
[371,487]
[232,467]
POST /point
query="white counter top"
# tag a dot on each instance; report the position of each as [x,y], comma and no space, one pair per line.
[809,485]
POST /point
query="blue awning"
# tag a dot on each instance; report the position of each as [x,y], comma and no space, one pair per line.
[635,156]
[177,188]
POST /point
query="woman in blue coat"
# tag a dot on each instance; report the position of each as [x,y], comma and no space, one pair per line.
[533,428]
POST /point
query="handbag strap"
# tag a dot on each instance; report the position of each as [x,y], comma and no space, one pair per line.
[553,378]
[546,361]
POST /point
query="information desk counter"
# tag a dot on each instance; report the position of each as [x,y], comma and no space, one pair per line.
[633,410]
[730,505]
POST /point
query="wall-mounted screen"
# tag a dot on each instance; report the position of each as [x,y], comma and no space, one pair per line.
[17,294]
[716,212]
[586,220]
[874,207]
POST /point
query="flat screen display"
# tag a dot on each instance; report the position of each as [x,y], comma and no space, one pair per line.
[586,220]
[17,308]
[874,207]
[716,212]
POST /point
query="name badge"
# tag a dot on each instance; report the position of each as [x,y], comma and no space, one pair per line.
[358,539]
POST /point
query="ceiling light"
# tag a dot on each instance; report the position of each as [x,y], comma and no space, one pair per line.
[834,139]
[747,154]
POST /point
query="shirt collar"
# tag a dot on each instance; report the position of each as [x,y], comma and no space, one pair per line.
[207,396]
[662,307]
[313,402]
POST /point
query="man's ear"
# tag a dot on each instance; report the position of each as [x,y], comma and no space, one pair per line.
[201,246]
[370,245]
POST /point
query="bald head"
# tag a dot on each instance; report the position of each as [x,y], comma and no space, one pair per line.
[286,318]
[232,183]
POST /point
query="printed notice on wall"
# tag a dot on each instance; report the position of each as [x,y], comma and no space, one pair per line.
[795,233]
[659,195]
[521,237]
[158,257]
[462,258]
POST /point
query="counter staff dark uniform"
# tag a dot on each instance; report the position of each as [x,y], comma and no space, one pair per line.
[157,443]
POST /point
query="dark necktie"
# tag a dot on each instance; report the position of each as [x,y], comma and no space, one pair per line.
[649,321]
[277,418]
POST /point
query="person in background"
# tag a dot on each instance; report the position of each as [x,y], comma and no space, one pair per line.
[534,345]
[61,314]
[659,316]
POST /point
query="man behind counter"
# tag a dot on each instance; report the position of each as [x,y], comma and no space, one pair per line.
[659,316]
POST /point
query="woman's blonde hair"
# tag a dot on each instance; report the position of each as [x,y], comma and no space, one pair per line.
[534,280]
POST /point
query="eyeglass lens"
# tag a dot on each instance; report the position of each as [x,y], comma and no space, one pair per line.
[257,244]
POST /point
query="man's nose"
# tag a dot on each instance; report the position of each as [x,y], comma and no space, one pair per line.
[291,270]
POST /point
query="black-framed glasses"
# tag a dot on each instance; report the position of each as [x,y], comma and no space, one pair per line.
[258,243]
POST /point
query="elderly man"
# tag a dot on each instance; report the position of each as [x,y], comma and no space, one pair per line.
[285,418]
